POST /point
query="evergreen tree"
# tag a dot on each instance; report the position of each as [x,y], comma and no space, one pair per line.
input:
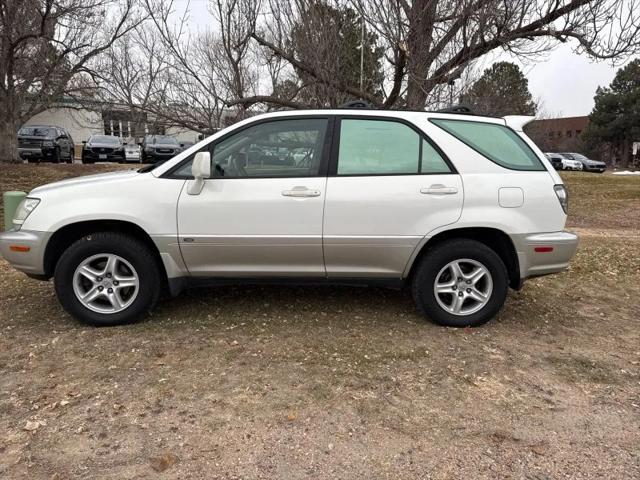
[501,90]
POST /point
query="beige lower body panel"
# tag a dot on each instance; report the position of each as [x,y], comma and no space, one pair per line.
[254,256]
[367,256]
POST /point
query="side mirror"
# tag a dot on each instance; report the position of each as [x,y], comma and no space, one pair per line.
[200,169]
[84,142]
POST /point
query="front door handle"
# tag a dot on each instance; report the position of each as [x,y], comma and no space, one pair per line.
[301,192]
[439,189]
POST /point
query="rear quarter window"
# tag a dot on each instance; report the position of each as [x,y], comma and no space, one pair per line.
[498,143]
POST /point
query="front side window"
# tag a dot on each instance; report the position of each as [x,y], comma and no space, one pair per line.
[382,147]
[281,148]
[496,142]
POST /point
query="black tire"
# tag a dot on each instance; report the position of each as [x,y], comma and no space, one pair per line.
[436,259]
[125,246]
[85,160]
[56,155]
[72,154]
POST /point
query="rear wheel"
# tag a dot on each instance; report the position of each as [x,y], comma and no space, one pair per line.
[460,283]
[108,278]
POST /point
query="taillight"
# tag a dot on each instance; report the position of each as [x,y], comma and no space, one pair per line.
[563,197]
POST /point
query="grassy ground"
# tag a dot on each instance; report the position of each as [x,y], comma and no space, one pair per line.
[274,382]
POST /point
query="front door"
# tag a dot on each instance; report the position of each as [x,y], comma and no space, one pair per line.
[261,212]
[388,187]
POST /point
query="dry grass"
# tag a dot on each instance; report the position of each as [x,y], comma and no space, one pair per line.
[274,382]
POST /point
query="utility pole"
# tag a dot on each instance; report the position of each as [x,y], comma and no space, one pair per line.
[451,84]
[362,57]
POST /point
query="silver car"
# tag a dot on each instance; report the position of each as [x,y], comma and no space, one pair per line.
[458,208]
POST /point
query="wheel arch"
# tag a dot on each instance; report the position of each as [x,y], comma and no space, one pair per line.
[494,238]
[68,234]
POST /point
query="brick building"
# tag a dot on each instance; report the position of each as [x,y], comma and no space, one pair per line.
[559,134]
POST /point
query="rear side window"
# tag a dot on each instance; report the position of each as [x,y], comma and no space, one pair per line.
[382,147]
[498,143]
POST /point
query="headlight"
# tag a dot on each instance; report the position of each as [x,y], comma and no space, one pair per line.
[25,208]
[47,143]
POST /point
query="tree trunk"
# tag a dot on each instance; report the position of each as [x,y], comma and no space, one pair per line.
[421,18]
[9,141]
[625,153]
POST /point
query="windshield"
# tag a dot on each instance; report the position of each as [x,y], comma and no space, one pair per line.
[104,139]
[36,131]
[164,139]
[578,156]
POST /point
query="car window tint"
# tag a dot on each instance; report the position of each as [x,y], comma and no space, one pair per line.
[377,147]
[281,148]
[498,143]
[432,161]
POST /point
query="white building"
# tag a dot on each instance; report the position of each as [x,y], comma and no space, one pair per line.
[82,122]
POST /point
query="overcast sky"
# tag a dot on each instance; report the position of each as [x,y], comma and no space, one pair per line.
[564,82]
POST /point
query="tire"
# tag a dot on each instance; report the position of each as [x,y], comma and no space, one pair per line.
[470,255]
[85,161]
[137,262]
[56,155]
[72,155]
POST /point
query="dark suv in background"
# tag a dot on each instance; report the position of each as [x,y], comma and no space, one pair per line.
[45,143]
[103,148]
[159,148]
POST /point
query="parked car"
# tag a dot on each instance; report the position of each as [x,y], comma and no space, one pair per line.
[38,143]
[587,164]
[570,164]
[555,159]
[159,148]
[132,152]
[103,148]
[458,207]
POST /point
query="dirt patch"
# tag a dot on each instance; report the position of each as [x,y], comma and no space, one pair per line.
[281,382]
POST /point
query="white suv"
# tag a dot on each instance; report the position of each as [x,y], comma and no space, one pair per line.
[458,207]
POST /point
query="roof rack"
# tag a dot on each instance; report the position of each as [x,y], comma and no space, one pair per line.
[460,109]
[357,104]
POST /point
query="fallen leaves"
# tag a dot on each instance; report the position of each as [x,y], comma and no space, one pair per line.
[163,462]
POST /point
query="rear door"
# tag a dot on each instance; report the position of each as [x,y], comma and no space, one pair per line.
[388,186]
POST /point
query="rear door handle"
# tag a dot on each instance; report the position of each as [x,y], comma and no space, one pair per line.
[439,189]
[301,192]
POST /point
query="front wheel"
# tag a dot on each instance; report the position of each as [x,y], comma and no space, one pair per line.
[108,278]
[460,283]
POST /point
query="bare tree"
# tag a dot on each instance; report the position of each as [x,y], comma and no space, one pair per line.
[46,48]
[430,43]
[177,77]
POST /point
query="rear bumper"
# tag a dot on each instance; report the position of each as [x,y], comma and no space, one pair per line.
[544,253]
[30,262]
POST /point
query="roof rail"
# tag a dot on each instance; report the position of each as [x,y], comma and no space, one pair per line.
[357,104]
[460,109]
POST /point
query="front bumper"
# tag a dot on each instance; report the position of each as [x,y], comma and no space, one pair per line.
[544,253]
[155,157]
[103,157]
[36,152]
[30,262]
[594,168]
